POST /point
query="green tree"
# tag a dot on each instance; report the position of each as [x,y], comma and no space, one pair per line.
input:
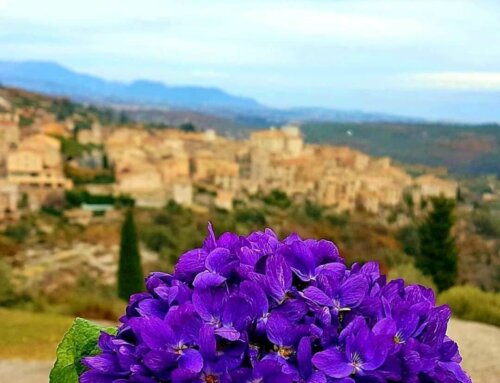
[24,201]
[410,204]
[408,236]
[438,252]
[105,161]
[130,274]
[18,232]
[313,210]
[250,216]
[24,121]
[62,109]
[123,118]
[188,127]
[278,198]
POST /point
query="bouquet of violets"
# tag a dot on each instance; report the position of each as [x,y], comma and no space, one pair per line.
[260,309]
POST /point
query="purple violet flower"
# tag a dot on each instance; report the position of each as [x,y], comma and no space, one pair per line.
[362,352]
[256,309]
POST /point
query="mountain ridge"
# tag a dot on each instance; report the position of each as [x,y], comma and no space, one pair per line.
[57,80]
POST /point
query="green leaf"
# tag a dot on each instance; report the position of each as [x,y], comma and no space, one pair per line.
[80,341]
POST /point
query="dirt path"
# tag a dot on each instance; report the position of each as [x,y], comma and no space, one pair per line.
[480,348]
[17,371]
[479,344]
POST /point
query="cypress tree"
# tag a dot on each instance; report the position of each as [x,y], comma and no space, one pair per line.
[438,252]
[130,274]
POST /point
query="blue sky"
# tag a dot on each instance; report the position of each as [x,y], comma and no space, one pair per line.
[427,58]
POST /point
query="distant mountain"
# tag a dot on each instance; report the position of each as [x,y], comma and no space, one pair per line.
[53,79]
[267,116]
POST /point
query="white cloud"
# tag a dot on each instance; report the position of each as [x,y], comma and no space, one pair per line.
[332,53]
[468,81]
[338,24]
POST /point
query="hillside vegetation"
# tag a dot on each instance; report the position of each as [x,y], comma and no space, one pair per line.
[391,237]
[466,149]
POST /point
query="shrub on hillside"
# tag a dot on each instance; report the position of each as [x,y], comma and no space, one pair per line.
[313,210]
[173,207]
[18,232]
[411,275]
[250,216]
[156,237]
[471,303]
[7,295]
[8,247]
[278,198]
[77,197]
[162,218]
[340,219]
[95,307]
[392,257]
[82,176]
[486,223]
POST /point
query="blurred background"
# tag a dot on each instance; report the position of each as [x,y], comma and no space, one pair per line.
[126,126]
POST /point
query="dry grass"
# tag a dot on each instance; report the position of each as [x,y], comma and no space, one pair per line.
[28,335]
[107,234]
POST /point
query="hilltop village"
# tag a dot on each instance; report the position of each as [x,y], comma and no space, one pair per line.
[67,171]
[153,167]
[194,169]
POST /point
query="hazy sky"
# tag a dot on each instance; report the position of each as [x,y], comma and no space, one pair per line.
[430,58]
